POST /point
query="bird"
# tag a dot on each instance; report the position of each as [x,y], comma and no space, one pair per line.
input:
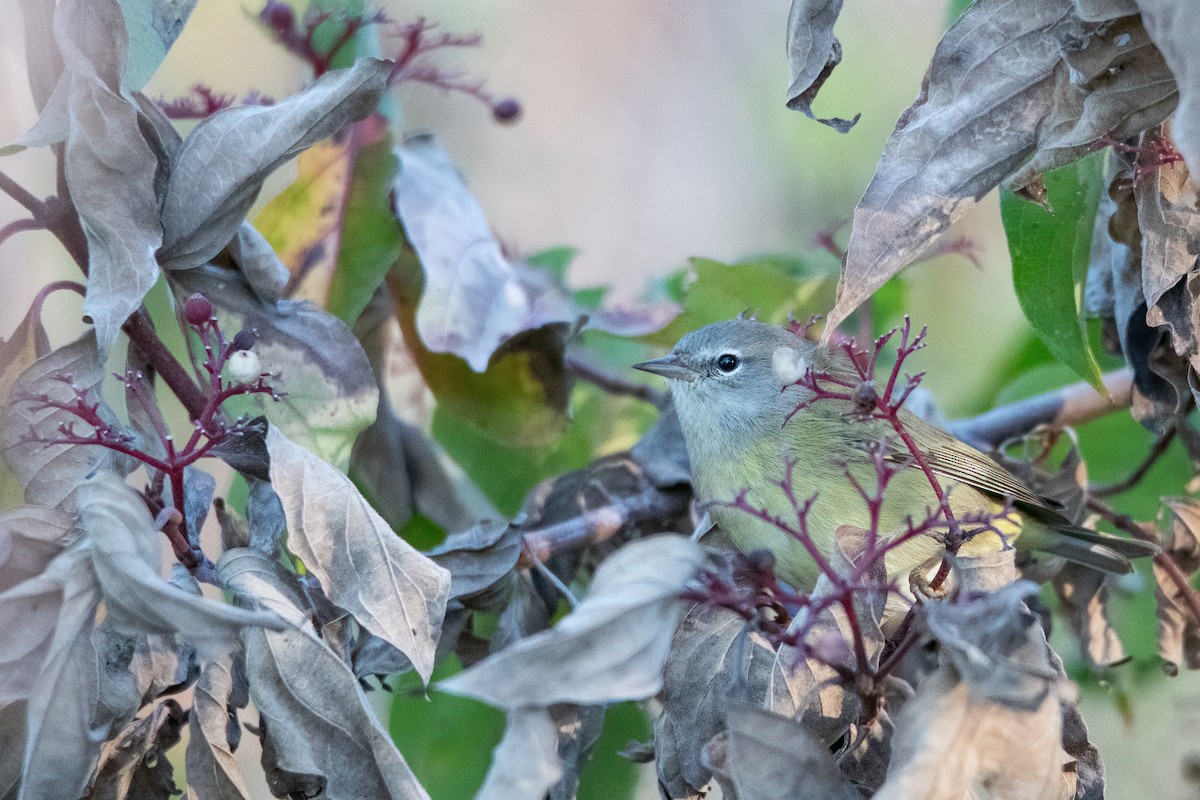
[733,385]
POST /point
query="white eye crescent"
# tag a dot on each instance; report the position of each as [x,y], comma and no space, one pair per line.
[788,364]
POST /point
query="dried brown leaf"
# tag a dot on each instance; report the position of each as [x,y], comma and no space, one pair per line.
[525,763]
[213,772]
[1178,627]
[769,757]
[1111,84]
[318,727]
[364,567]
[1169,221]
[612,647]
[714,661]
[813,53]
[134,764]
[951,744]
[997,645]
[1083,593]
[987,90]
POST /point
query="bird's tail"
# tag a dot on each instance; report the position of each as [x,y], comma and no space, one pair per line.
[1102,551]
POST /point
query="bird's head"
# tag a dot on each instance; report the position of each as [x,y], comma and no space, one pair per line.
[734,372]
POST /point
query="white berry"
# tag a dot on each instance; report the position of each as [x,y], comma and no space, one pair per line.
[244,366]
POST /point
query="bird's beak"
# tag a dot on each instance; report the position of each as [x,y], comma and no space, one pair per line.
[669,367]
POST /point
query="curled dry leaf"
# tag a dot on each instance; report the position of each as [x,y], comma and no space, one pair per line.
[525,763]
[714,662]
[134,763]
[1112,84]
[213,772]
[126,554]
[1083,593]
[473,299]
[1012,86]
[997,645]
[50,473]
[612,647]
[317,724]
[312,356]
[813,52]
[1169,222]
[951,744]
[222,164]
[479,558]
[986,91]
[1085,778]
[1178,627]
[364,567]
[1114,294]
[54,646]
[769,757]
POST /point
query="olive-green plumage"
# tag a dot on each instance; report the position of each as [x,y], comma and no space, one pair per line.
[731,383]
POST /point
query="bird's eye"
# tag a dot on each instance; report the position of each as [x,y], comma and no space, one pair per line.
[728,362]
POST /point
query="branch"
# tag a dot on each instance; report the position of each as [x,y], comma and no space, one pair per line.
[602,523]
[1160,446]
[22,195]
[1128,524]
[1070,405]
[613,384]
[18,225]
[140,331]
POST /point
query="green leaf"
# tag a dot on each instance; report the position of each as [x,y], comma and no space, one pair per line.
[153,26]
[371,238]
[554,260]
[1050,259]
[447,740]
[774,287]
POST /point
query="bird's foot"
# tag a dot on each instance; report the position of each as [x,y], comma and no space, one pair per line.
[920,581]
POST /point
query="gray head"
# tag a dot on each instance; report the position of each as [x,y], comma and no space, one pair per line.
[730,375]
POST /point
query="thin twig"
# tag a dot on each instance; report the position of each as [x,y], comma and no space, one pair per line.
[18,225]
[22,195]
[613,384]
[1164,560]
[140,330]
[1160,446]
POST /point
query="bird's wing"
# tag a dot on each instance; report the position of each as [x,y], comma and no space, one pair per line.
[961,462]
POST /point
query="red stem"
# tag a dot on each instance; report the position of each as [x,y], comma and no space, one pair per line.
[18,225]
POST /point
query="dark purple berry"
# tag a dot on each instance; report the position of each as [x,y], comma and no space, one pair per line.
[279,16]
[761,560]
[506,111]
[244,340]
[197,309]
[865,398]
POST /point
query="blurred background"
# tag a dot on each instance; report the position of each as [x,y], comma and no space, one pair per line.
[651,133]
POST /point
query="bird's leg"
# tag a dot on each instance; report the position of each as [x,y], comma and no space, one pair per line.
[920,581]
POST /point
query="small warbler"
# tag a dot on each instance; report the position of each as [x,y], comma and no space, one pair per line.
[732,384]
